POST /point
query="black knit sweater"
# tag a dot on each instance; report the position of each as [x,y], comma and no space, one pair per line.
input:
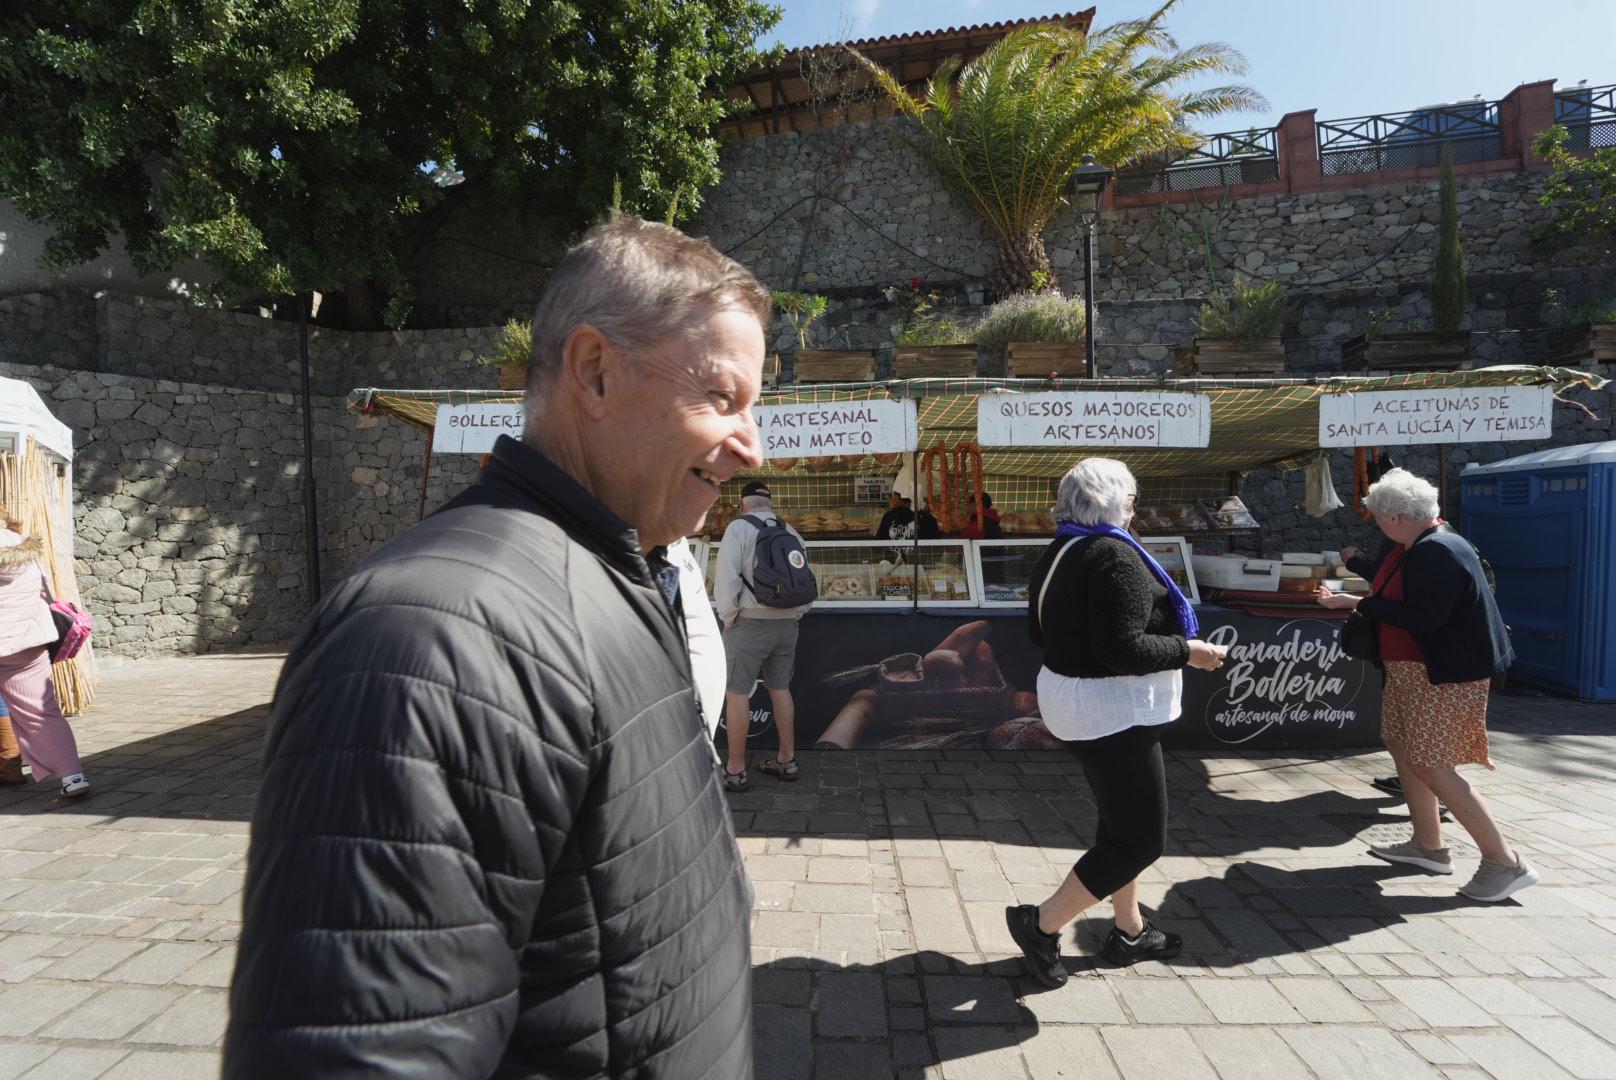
[1106,613]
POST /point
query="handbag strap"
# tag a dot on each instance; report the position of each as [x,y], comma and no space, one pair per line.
[1044,588]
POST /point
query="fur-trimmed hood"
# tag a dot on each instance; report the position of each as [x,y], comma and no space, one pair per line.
[17,550]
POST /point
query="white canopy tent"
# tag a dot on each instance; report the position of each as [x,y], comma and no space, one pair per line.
[23,413]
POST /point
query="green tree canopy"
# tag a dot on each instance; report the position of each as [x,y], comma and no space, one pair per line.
[1580,193]
[287,143]
[1005,131]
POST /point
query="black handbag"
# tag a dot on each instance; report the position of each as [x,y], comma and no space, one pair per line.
[1357,637]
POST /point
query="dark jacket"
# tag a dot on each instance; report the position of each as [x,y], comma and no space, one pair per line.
[1447,607]
[1107,614]
[490,839]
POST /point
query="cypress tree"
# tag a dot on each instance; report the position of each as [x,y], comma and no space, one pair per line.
[1448,275]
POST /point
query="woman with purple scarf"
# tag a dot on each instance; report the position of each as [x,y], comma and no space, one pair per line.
[1116,634]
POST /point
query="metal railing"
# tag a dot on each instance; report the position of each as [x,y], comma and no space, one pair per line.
[1589,115]
[1236,157]
[1361,144]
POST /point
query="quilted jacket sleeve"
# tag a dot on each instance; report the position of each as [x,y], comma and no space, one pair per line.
[421,776]
[1119,610]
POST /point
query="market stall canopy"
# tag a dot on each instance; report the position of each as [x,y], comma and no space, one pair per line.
[1256,423]
[22,410]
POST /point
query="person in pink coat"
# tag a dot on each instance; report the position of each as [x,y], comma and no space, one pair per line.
[26,629]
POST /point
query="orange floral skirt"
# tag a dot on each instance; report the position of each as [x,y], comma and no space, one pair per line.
[1439,726]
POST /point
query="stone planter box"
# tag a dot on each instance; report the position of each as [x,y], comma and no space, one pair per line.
[1224,356]
[1586,343]
[834,365]
[933,361]
[1040,359]
[512,378]
[1423,350]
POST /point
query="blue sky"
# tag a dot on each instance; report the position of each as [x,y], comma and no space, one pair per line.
[1342,57]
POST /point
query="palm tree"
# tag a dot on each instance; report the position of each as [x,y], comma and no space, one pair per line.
[1005,131]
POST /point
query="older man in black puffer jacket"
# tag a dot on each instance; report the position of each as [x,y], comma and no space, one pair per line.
[491,840]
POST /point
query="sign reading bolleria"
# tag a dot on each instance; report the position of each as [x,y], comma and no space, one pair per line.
[472,429]
[1412,417]
[1094,418]
[830,428]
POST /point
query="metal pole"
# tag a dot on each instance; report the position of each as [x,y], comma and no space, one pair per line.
[1088,295]
[426,474]
[311,511]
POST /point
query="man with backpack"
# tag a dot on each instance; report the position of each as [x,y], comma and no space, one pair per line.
[763,586]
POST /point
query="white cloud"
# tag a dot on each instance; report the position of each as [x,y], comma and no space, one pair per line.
[862,13]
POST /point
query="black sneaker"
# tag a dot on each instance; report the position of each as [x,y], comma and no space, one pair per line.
[1151,944]
[1393,785]
[1041,951]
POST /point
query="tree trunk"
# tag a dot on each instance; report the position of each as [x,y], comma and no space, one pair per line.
[364,308]
[1018,257]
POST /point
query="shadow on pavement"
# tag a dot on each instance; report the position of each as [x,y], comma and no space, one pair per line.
[813,1018]
[205,771]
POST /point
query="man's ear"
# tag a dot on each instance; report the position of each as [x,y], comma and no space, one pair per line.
[586,358]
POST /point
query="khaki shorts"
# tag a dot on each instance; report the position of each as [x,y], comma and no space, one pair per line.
[765,648]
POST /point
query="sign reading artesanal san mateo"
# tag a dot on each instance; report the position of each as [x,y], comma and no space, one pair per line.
[1094,418]
[829,428]
[472,429]
[1410,417]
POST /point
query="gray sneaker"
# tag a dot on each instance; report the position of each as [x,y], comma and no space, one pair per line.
[1496,881]
[1436,860]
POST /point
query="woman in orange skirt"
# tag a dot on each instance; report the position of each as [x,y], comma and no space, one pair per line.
[1441,641]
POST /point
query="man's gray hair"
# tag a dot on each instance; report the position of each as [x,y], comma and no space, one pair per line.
[1405,495]
[1094,492]
[640,283]
[756,502]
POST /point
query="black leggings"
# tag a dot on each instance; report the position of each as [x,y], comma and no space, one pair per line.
[1130,791]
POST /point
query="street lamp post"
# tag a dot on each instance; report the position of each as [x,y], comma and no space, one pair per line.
[1087,181]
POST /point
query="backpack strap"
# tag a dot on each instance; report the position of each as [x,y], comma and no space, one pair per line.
[1044,588]
[759,524]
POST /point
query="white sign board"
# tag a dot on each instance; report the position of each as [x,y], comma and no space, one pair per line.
[1094,418]
[472,429]
[830,428]
[1412,417]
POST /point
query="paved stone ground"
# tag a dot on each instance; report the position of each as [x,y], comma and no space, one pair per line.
[881,879]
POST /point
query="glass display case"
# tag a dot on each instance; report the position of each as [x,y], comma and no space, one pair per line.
[1004,567]
[1173,552]
[861,573]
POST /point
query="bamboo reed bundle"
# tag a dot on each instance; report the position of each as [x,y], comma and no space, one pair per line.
[40,498]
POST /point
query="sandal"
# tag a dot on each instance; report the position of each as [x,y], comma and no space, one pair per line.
[735,782]
[784,770]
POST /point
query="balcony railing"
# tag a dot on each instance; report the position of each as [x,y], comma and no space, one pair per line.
[1238,157]
[1589,115]
[1408,140]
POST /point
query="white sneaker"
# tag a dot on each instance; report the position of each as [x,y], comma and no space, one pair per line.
[1436,860]
[1496,881]
[75,786]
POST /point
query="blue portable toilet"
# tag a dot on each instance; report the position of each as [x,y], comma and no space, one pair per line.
[1547,523]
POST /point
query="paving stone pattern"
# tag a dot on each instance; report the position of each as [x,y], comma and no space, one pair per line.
[881,880]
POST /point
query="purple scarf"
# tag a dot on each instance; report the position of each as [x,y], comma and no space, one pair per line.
[1181,605]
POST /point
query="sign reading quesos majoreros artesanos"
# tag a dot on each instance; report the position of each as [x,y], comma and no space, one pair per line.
[1094,418]
[832,428]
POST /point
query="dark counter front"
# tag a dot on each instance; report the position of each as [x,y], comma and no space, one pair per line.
[1286,686]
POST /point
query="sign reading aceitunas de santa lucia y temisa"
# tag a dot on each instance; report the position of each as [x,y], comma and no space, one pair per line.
[1408,417]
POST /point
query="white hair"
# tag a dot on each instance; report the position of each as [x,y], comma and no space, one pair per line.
[641,284]
[1095,492]
[1402,494]
[756,502]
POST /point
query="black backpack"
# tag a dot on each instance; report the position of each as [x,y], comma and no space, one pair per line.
[780,574]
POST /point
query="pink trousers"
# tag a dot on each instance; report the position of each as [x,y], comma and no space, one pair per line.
[46,741]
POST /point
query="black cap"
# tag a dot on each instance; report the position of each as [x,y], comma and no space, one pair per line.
[756,487]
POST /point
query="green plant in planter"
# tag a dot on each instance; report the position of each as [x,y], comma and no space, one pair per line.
[800,309]
[1246,312]
[513,348]
[1448,273]
[1031,316]
[1594,313]
[1378,320]
[934,330]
